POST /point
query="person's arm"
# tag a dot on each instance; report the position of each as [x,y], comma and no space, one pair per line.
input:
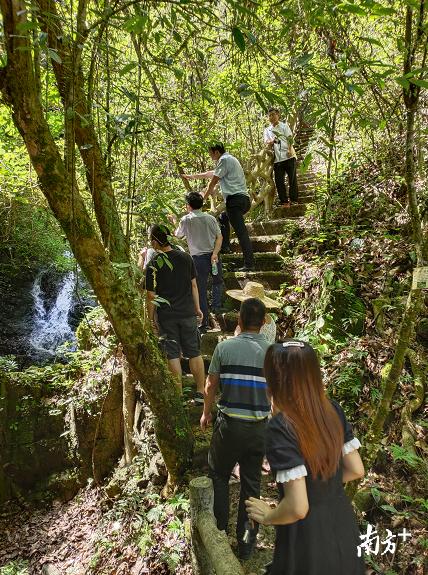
[217,248]
[268,138]
[210,390]
[200,176]
[292,507]
[195,295]
[180,232]
[142,258]
[211,186]
[353,467]
[150,298]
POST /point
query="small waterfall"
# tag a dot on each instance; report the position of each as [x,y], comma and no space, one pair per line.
[51,327]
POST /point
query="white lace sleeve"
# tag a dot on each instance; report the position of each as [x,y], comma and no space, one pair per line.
[285,475]
[269,331]
[350,446]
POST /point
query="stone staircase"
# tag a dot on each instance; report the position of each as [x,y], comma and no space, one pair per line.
[266,237]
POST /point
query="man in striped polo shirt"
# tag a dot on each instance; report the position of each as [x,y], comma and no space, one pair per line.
[239,430]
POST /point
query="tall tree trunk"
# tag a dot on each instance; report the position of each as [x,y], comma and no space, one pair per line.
[411,100]
[113,283]
[69,78]
[129,403]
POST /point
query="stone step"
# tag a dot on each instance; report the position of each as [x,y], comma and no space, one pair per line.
[263,261]
[286,213]
[271,226]
[269,279]
[210,339]
[267,243]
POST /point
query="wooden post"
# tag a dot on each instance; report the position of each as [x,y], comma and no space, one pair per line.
[211,552]
[201,499]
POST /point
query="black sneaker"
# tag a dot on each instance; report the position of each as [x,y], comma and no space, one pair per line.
[198,397]
[219,310]
[245,550]
[246,269]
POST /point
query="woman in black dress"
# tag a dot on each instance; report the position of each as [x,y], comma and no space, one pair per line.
[312,451]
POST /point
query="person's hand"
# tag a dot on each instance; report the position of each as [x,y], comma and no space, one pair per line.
[206,419]
[199,314]
[214,258]
[257,510]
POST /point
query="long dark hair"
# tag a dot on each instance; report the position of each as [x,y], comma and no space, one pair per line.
[294,381]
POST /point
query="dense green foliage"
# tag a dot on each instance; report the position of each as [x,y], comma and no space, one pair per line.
[164,79]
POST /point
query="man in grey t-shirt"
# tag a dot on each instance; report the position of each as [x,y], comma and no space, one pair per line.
[204,239]
[229,173]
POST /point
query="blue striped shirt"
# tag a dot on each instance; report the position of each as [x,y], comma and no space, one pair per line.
[239,363]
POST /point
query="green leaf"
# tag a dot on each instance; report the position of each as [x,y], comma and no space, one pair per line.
[371,40]
[420,83]
[260,101]
[380,10]
[403,82]
[251,37]
[25,26]
[238,38]
[352,9]
[390,508]
[127,68]
[135,24]
[303,60]
[53,54]
[208,95]
[355,88]
[178,73]
[305,164]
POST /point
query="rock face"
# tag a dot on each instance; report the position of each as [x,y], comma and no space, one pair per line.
[16,312]
[49,443]
[31,441]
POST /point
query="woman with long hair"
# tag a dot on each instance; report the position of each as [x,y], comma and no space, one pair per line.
[312,452]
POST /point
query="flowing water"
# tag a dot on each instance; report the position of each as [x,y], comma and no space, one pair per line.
[51,326]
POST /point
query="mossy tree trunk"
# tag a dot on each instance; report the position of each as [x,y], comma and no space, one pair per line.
[102,253]
[415,47]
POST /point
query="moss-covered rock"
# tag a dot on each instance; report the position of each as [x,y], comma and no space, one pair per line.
[94,330]
[54,436]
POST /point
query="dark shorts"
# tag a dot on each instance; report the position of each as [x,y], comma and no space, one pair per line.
[179,336]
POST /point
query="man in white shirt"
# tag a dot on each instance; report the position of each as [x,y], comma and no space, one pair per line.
[279,137]
[229,173]
[204,239]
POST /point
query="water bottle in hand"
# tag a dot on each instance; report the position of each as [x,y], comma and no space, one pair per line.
[214,268]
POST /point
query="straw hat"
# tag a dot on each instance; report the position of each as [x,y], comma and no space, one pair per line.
[253,289]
